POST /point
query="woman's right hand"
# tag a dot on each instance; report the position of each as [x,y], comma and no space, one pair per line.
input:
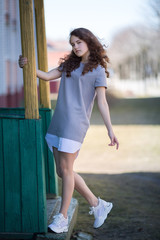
[22,61]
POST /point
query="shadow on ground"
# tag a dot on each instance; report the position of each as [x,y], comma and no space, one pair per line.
[136,211]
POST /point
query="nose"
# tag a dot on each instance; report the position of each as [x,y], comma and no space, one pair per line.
[75,46]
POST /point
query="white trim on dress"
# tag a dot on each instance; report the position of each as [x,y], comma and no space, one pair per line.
[62,144]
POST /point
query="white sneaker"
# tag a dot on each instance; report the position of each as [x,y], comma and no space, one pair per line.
[100,212]
[59,224]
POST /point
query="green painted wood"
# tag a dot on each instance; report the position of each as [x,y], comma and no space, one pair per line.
[52,176]
[1,180]
[28,155]
[12,111]
[43,116]
[50,173]
[11,175]
[42,207]
[16,236]
[22,176]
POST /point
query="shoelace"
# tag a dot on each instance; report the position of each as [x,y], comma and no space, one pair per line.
[92,210]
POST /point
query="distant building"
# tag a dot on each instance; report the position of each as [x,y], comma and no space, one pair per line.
[11,76]
[56,50]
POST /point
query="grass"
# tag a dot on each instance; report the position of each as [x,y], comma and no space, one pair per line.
[139,150]
[130,111]
[129,177]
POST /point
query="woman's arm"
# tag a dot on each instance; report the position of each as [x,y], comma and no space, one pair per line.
[47,76]
[104,110]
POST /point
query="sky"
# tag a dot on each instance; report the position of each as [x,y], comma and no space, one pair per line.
[103,17]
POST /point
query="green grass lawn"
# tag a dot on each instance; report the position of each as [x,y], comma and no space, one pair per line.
[130,111]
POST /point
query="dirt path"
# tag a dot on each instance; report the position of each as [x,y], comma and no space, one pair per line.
[136,211]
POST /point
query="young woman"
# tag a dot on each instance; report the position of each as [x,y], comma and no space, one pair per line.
[83,76]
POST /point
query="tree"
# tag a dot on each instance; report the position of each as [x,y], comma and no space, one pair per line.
[154,6]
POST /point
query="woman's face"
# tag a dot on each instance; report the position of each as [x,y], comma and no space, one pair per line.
[79,47]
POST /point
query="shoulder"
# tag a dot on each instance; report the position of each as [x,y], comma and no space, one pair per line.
[97,70]
[100,68]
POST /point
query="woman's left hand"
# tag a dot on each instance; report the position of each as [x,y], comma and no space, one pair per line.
[114,140]
[22,61]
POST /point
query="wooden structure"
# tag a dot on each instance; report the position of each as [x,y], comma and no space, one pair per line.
[44,87]
[28,50]
[22,178]
[27,170]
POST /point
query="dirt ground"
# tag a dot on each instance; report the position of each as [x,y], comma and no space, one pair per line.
[129,177]
[136,211]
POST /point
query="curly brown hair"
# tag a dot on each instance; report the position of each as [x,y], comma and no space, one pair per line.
[97,55]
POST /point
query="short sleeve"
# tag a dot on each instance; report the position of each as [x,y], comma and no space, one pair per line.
[101,80]
[60,68]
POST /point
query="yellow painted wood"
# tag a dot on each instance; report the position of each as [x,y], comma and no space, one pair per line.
[28,50]
[44,86]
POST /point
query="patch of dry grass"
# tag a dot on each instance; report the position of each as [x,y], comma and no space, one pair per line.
[139,150]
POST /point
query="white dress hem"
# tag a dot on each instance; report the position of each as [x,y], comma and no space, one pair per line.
[62,144]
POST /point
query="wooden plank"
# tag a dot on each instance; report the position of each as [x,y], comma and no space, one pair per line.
[44,87]
[7,112]
[11,116]
[29,175]
[13,236]
[42,205]
[17,112]
[53,182]
[28,50]
[1,179]
[43,116]
[12,175]
[11,110]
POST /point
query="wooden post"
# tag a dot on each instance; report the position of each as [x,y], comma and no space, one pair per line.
[44,87]
[28,50]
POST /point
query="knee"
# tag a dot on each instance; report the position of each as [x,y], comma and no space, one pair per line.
[65,166]
[62,172]
[59,173]
[66,171]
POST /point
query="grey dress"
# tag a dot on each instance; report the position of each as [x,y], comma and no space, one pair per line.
[76,96]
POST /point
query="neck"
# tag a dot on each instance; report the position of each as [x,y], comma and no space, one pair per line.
[85,57]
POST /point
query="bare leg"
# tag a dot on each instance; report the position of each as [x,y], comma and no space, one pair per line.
[66,161]
[79,183]
[84,190]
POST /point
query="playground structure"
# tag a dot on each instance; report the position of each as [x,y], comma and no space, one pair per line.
[27,169]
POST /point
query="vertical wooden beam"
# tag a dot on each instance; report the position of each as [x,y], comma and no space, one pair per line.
[44,87]
[28,50]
